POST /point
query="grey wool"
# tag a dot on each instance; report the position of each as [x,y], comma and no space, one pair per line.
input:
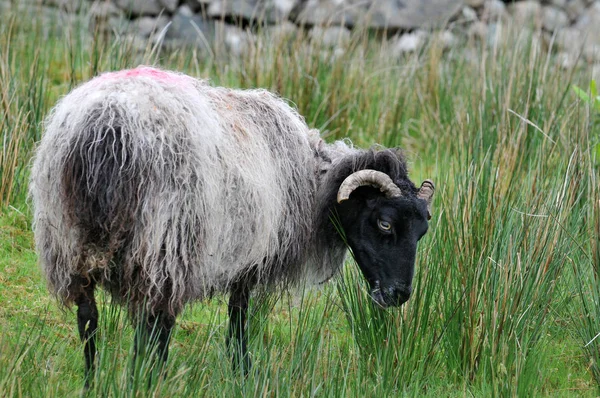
[165,189]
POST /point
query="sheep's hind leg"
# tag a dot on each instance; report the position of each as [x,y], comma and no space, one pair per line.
[154,332]
[87,323]
[238,336]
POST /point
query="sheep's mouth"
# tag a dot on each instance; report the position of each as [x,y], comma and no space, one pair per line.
[391,296]
[377,295]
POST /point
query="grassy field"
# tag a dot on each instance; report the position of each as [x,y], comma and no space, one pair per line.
[507,289]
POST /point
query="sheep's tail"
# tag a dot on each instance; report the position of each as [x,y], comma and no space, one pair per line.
[101,183]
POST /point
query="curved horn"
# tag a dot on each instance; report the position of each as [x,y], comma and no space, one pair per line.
[426,193]
[372,178]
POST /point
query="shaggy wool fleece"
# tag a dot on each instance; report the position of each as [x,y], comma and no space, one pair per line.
[164,189]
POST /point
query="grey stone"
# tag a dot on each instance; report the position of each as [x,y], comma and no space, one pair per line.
[140,7]
[5,6]
[195,5]
[325,12]
[469,14]
[474,3]
[236,40]
[282,31]
[478,31]
[496,33]
[558,3]
[589,25]
[269,11]
[526,13]
[554,18]
[169,5]
[104,9]
[408,42]
[333,36]
[190,29]
[185,11]
[133,44]
[380,14]
[447,39]
[148,26]
[569,39]
[494,10]
[54,21]
[107,18]
[589,22]
[596,72]
[566,60]
[591,52]
[575,8]
[67,5]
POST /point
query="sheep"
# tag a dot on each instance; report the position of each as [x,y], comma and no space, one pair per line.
[165,190]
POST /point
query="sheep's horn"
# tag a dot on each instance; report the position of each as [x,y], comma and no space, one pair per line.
[372,178]
[426,193]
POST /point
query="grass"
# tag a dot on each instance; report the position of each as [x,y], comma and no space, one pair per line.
[507,287]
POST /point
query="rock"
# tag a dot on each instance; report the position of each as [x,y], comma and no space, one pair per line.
[596,72]
[188,28]
[591,52]
[408,42]
[494,10]
[196,5]
[53,21]
[412,13]
[526,13]
[140,7]
[333,36]
[469,14]
[185,11]
[566,60]
[474,3]
[391,14]
[254,10]
[148,26]
[554,18]
[115,25]
[133,42]
[282,31]
[67,5]
[569,40]
[558,3]
[104,9]
[589,22]
[497,34]
[589,25]
[5,6]
[575,8]
[478,31]
[447,38]
[236,40]
[169,5]
[106,17]
[325,12]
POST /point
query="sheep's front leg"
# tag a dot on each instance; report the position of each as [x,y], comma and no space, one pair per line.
[237,338]
[87,323]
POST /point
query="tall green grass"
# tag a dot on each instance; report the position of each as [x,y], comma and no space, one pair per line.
[506,295]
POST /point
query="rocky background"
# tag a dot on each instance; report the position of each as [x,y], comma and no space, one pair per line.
[571,28]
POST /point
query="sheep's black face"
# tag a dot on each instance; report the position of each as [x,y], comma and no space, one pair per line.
[383,235]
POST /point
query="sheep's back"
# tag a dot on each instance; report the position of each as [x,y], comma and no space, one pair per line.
[166,188]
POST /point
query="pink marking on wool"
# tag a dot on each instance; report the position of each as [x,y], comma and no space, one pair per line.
[145,71]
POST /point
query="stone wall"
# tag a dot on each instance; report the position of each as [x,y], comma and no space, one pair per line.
[569,27]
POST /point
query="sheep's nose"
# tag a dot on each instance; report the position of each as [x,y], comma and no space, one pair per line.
[399,295]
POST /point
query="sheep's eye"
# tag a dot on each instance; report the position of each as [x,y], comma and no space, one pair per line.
[384,225]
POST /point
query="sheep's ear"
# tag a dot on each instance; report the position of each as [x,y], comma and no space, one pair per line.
[426,193]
